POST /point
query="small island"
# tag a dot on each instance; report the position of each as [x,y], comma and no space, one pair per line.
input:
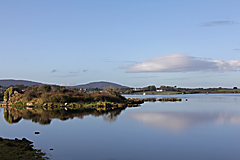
[43,103]
[52,98]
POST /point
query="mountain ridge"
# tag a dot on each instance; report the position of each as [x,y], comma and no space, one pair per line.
[99,84]
[9,82]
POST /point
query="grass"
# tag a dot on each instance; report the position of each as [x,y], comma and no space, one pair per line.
[228,91]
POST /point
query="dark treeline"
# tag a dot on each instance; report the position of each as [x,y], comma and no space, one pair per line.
[178,90]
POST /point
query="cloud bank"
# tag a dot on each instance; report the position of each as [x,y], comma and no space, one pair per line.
[218,23]
[179,62]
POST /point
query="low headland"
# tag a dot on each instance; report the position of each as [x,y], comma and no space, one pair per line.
[50,98]
[43,103]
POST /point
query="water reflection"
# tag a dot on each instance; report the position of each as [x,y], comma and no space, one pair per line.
[177,121]
[45,117]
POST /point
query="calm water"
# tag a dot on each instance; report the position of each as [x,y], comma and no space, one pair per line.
[205,127]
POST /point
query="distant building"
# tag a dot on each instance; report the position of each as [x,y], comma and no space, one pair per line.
[137,89]
[159,90]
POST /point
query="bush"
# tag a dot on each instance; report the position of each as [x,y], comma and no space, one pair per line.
[44,88]
[29,95]
[64,90]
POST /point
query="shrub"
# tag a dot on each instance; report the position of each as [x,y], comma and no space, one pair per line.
[29,95]
[64,90]
[58,98]
[44,88]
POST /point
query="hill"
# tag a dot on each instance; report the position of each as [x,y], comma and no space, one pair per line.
[9,82]
[99,85]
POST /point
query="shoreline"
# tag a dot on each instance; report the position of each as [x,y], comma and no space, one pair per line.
[181,93]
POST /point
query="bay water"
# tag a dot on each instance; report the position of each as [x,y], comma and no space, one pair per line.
[199,127]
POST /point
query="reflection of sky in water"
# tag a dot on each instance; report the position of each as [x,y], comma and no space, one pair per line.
[181,121]
[197,111]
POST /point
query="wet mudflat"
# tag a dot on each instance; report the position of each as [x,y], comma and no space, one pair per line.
[198,127]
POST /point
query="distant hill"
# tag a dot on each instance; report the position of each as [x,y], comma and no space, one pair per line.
[9,82]
[99,85]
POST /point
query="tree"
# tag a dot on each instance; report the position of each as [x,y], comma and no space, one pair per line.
[64,90]
[29,95]
[44,88]
[111,90]
[55,88]
[149,88]
[152,88]
[235,88]
[8,93]
[21,86]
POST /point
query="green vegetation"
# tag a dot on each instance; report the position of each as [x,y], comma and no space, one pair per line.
[165,90]
[34,91]
[229,90]
[19,149]
[149,88]
[44,94]
[43,103]
[8,93]
[46,97]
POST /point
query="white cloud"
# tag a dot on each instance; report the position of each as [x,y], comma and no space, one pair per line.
[179,62]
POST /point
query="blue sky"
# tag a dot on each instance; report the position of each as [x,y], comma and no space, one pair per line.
[130,42]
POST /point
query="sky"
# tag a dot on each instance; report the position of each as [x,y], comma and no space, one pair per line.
[130,42]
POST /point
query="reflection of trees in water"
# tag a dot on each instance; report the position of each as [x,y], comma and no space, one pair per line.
[44,117]
[14,116]
[11,118]
[111,116]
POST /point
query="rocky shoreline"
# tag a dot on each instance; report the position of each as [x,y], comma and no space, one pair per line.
[21,149]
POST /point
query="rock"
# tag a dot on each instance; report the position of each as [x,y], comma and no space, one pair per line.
[37,132]
[29,104]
